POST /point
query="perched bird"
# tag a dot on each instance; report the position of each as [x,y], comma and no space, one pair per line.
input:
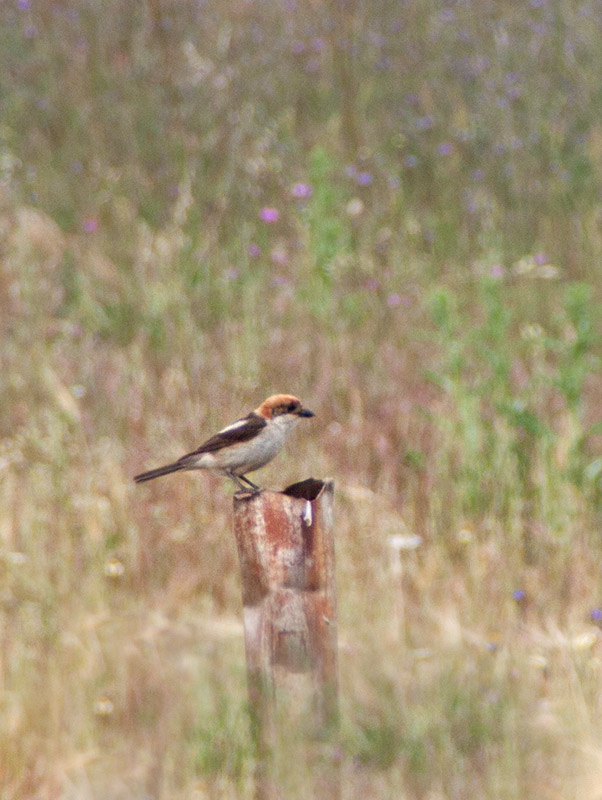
[246,445]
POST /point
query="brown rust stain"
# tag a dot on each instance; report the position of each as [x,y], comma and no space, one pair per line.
[287,570]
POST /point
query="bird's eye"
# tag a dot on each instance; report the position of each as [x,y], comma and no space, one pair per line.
[291,407]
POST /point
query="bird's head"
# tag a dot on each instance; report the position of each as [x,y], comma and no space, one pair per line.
[279,405]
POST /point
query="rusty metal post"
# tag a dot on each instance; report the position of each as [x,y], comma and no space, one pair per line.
[286,549]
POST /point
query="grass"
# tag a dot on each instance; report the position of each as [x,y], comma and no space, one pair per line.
[429,286]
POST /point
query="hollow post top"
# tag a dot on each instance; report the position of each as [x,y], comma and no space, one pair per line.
[309,489]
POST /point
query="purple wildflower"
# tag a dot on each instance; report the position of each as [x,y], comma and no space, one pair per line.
[90,225]
[302,191]
[364,178]
[423,123]
[445,149]
[269,215]
[254,250]
[470,203]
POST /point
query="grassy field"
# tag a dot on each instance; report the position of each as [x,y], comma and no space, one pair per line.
[393,211]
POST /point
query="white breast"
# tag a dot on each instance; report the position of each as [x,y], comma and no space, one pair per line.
[255,453]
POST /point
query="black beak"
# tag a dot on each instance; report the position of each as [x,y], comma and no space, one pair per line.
[305,412]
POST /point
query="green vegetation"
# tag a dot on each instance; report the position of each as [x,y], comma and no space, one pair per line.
[391,211]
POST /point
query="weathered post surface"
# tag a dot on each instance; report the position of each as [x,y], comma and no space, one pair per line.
[285,545]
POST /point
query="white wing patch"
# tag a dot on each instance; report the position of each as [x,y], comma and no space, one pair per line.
[234,426]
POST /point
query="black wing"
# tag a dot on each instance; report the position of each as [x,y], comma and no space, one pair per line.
[233,434]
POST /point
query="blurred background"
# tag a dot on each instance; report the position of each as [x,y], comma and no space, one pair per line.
[390,209]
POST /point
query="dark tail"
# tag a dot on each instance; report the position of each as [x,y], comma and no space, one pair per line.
[156,473]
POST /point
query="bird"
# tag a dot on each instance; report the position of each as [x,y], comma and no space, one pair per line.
[245,445]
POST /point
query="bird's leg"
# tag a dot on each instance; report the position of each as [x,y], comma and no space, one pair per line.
[233,477]
[250,483]
[240,485]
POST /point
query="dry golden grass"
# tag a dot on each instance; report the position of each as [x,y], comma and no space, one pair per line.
[122,663]
[430,289]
